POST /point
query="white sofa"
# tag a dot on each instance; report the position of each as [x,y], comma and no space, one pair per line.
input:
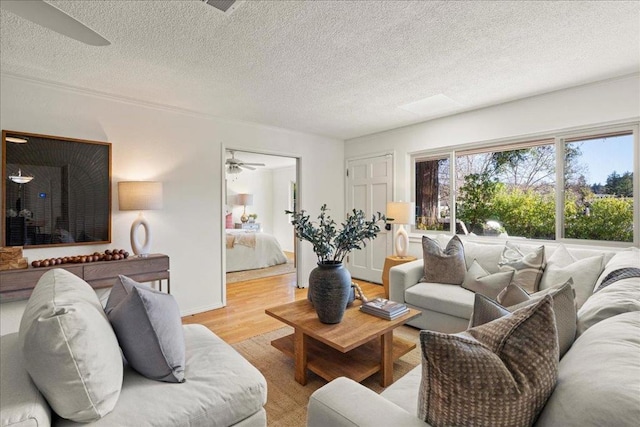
[598,378]
[221,389]
[448,308]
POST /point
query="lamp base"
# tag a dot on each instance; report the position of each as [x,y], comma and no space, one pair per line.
[140,249]
[402,242]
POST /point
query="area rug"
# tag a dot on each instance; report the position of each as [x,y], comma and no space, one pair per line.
[286,399]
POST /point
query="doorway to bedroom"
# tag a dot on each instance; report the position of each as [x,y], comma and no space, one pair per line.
[259,239]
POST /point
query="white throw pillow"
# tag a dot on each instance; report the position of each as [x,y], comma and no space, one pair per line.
[562,266]
[69,348]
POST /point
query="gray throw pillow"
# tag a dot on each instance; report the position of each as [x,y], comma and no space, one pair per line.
[149,330]
[527,268]
[443,266]
[480,281]
[499,374]
[564,308]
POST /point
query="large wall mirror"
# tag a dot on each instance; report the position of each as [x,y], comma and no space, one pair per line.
[56,191]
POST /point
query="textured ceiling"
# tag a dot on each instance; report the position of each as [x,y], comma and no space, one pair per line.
[335,68]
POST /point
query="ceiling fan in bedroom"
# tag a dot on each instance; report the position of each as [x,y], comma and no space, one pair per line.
[49,16]
[235,165]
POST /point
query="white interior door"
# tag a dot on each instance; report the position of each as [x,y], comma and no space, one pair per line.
[369,188]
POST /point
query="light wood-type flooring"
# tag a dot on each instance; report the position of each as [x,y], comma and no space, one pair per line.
[244,315]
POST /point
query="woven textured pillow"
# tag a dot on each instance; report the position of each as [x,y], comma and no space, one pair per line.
[527,268]
[443,266]
[480,281]
[497,374]
[514,298]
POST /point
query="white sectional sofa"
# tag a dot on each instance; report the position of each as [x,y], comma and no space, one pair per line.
[221,388]
[448,308]
[598,379]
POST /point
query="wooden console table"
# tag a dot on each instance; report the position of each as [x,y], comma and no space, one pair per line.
[18,284]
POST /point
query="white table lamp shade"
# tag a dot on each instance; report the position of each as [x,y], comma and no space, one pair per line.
[401,213]
[140,195]
[245,199]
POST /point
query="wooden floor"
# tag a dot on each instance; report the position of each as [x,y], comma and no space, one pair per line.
[244,316]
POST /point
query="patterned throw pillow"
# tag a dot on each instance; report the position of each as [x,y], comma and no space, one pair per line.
[443,266]
[480,281]
[527,269]
[513,297]
[497,374]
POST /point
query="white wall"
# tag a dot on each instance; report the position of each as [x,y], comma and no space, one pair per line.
[601,103]
[182,150]
[282,229]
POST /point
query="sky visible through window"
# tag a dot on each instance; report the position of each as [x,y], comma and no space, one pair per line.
[604,157]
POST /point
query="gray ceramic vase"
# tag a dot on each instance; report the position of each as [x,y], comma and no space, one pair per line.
[330,291]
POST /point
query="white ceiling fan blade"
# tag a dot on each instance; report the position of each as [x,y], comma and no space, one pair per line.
[253,164]
[48,16]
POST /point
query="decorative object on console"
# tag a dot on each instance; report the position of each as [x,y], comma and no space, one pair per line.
[108,255]
[11,258]
[244,200]
[401,213]
[140,196]
[443,266]
[330,282]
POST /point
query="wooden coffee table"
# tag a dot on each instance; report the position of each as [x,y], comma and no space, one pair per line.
[356,348]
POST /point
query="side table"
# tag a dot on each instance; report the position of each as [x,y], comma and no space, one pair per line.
[392,261]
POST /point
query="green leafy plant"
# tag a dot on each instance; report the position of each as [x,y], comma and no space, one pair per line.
[330,244]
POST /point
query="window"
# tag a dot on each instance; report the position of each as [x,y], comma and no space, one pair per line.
[433,194]
[578,186]
[598,188]
[508,190]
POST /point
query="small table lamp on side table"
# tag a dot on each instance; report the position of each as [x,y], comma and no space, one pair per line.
[398,213]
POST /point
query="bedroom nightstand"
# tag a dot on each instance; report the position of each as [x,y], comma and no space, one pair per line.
[254,226]
[392,261]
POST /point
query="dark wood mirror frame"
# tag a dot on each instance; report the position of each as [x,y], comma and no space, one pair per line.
[68,200]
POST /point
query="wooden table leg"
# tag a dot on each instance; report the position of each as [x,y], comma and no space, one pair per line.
[386,359]
[300,356]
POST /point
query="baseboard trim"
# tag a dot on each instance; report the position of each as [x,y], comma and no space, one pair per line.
[200,309]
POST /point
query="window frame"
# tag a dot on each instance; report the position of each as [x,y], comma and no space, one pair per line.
[558,138]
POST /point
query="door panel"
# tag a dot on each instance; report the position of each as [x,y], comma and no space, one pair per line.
[369,188]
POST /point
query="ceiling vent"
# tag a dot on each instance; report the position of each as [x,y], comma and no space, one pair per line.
[226,6]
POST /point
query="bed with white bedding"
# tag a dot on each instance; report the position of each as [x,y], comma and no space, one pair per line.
[250,250]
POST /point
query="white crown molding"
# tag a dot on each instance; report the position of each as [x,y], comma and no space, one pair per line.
[150,105]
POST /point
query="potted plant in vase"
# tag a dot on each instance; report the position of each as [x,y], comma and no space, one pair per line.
[330,281]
